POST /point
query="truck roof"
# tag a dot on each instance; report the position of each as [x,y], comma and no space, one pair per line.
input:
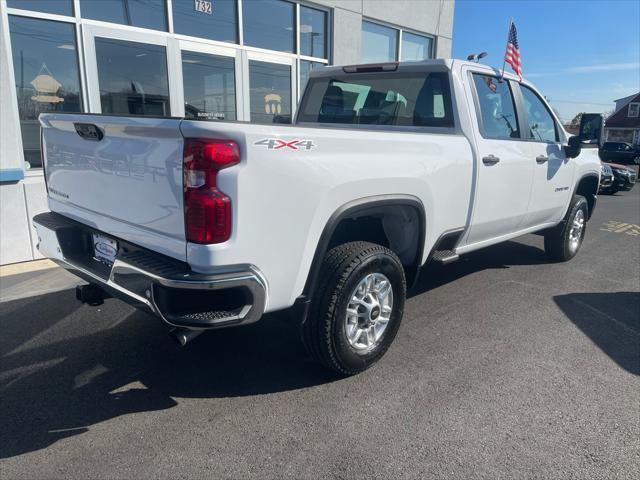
[448,63]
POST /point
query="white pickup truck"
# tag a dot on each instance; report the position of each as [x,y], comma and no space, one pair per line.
[386,167]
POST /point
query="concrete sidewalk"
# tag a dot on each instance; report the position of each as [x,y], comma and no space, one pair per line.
[27,279]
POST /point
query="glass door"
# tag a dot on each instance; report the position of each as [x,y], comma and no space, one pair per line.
[209,82]
[130,73]
[269,87]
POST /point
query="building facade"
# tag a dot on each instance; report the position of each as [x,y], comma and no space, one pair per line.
[245,60]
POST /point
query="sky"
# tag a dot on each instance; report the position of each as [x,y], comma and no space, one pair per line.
[580,54]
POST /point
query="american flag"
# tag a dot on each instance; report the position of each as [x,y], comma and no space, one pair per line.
[490,84]
[512,55]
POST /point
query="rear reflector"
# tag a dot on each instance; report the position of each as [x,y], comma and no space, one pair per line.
[207,210]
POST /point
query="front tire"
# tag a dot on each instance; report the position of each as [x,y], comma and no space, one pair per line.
[563,242]
[357,307]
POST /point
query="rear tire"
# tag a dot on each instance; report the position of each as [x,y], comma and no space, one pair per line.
[563,242]
[357,307]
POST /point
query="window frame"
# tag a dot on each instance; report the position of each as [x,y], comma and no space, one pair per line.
[432,42]
[453,129]
[633,104]
[15,7]
[165,27]
[269,60]
[299,7]
[556,128]
[401,31]
[5,16]
[295,24]
[515,99]
[383,25]
[238,30]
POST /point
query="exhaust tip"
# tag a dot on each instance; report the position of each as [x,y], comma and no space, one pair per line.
[182,336]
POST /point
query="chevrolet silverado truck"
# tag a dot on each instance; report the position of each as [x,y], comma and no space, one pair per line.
[385,168]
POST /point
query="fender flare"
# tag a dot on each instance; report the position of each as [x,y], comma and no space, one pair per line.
[353,209]
[595,196]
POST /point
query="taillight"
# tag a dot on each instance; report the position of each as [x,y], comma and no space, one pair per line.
[207,210]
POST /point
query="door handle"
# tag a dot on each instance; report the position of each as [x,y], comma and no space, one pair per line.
[490,159]
[542,158]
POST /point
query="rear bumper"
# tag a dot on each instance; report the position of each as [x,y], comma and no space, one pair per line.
[153,282]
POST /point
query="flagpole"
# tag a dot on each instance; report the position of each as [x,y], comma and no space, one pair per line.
[504,58]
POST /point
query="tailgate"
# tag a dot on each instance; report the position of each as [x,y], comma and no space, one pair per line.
[120,175]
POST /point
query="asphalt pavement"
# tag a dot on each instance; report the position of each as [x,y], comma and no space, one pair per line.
[506,366]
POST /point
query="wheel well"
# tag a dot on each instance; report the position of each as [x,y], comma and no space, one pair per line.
[588,188]
[396,224]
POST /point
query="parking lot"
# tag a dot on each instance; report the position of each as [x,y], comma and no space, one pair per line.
[505,366]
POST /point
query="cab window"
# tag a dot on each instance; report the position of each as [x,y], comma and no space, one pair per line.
[398,99]
[497,113]
[542,127]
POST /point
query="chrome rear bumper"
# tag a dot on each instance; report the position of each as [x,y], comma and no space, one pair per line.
[153,282]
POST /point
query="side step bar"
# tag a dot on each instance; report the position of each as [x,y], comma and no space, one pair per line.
[445,256]
[444,250]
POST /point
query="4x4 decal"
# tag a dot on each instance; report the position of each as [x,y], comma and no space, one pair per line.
[278,144]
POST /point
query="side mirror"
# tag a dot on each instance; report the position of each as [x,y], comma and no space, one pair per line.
[574,147]
[592,129]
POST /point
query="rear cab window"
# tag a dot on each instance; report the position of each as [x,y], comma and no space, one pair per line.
[421,99]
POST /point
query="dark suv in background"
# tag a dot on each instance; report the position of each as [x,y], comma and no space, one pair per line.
[624,178]
[620,152]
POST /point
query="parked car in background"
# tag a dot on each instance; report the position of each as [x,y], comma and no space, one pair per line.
[624,178]
[606,178]
[620,152]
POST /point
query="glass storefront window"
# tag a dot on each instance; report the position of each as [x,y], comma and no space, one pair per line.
[415,47]
[59,7]
[220,24]
[209,86]
[45,64]
[379,43]
[132,78]
[269,24]
[313,32]
[269,92]
[137,13]
[305,69]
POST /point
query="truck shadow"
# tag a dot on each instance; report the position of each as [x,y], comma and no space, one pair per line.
[63,376]
[503,255]
[611,320]
[66,367]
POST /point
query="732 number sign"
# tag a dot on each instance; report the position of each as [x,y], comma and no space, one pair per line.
[203,6]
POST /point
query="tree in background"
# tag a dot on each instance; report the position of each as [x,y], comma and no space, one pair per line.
[575,123]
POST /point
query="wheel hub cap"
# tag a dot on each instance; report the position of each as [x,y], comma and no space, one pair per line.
[575,232]
[369,311]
